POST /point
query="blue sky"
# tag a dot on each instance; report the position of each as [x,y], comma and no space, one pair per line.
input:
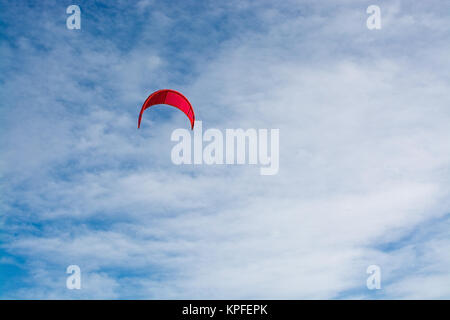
[364,157]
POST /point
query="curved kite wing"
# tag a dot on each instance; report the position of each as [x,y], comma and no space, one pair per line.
[172,98]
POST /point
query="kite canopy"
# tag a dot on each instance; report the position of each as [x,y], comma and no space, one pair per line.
[172,98]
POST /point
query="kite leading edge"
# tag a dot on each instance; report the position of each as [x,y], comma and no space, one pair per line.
[172,98]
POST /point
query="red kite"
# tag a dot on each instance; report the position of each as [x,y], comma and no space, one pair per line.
[172,98]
